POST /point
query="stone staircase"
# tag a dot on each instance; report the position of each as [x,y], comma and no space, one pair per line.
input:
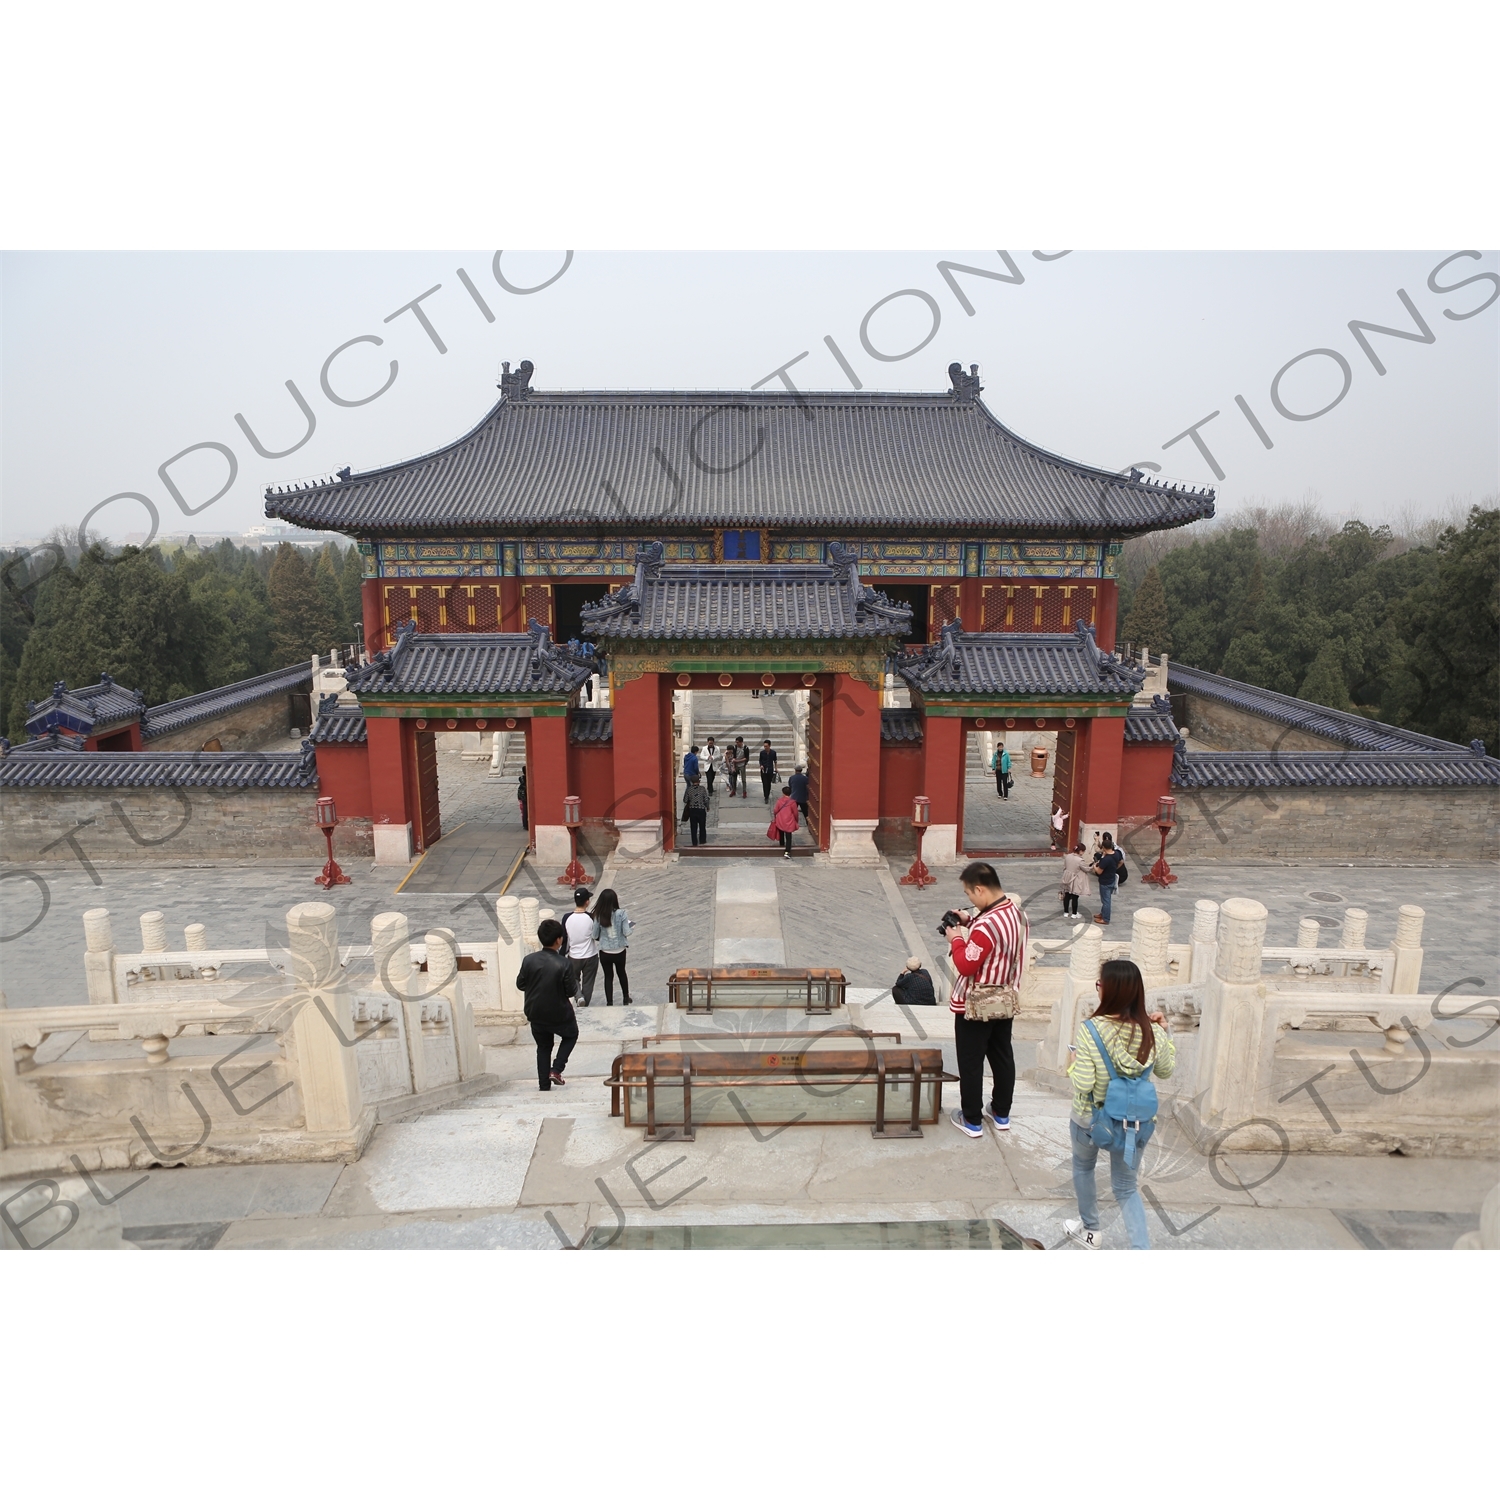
[725,715]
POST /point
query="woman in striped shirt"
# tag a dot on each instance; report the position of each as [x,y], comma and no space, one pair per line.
[1137,1042]
[988,952]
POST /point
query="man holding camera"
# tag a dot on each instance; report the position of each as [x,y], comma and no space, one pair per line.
[988,948]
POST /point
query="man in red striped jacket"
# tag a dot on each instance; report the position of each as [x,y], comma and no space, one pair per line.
[990,950]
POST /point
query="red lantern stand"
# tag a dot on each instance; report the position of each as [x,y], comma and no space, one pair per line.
[328,820]
[919,875]
[575,874]
[1166,820]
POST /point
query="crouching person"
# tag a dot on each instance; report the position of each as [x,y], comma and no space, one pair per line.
[546,979]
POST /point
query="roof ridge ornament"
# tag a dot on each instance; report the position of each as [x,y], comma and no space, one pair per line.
[516,387]
[965,387]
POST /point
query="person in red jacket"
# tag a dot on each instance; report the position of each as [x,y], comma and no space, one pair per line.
[989,950]
[786,818]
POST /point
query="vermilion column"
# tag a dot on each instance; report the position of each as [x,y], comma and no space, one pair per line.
[641,751]
[1101,777]
[942,782]
[1109,607]
[391,802]
[369,603]
[546,786]
[851,770]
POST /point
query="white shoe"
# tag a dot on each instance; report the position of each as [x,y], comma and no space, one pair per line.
[1086,1239]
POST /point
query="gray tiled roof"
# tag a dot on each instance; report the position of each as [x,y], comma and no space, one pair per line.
[180,713]
[473,665]
[1354,730]
[106,770]
[1332,768]
[591,726]
[101,706]
[739,458]
[338,723]
[900,726]
[1151,726]
[1017,664]
[746,601]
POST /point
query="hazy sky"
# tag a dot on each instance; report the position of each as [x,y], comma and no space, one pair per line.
[114,363]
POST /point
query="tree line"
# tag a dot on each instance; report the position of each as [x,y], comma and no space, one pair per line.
[169,621]
[1403,626]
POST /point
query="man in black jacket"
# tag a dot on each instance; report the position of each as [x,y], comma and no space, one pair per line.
[914,987]
[767,768]
[546,979]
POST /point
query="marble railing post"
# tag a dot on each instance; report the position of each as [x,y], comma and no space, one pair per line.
[195,937]
[99,957]
[1407,975]
[1353,935]
[1078,997]
[1308,931]
[1150,934]
[153,932]
[509,951]
[1233,1013]
[443,978]
[1204,943]
[530,916]
[390,938]
[323,1033]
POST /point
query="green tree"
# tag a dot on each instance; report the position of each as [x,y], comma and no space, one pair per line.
[1325,682]
[351,589]
[302,621]
[1147,623]
[1248,616]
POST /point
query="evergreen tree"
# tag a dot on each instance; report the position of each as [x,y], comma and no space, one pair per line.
[1248,617]
[1325,682]
[301,622]
[351,587]
[1146,625]
[326,573]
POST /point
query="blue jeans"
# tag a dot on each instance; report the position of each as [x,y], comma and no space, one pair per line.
[1121,1180]
[1106,896]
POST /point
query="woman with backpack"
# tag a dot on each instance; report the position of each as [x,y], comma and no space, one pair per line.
[1116,1053]
[1109,866]
[614,929]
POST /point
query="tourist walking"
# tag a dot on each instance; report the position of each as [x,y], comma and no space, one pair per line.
[583,946]
[914,985]
[1000,765]
[546,980]
[988,947]
[1075,881]
[797,785]
[614,938]
[785,821]
[695,810]
[1059,824]
[712,761]
[690,767]
[1109,866]
[1112,1111]
[767,768]
[521,797]
[739,763]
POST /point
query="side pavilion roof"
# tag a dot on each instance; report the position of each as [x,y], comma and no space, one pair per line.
[828,460]
[1016,665]
[472,665]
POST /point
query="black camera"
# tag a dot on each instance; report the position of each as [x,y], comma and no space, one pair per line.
[950,919]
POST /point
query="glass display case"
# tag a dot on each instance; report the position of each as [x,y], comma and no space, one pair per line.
[816,992]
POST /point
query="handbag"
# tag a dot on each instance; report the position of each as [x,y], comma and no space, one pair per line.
[991,1002]
[772,831]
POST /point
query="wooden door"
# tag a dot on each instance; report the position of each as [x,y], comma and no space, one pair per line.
[815,821]
[1062,781]
[429,816]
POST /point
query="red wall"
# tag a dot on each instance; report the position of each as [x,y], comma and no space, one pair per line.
[1145,774]
[900,779]
[591,775]
[851,750]
[344,775]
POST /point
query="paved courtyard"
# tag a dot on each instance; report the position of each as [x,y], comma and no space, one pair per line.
[510,1169]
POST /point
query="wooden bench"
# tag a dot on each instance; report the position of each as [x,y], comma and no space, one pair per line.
[817,992]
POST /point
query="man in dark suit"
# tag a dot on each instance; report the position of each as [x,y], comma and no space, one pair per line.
[546,979]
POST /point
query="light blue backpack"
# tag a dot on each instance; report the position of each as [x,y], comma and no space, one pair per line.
[1127,1119]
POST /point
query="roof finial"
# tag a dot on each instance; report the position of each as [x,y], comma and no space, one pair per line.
[965,387]
[516,387]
